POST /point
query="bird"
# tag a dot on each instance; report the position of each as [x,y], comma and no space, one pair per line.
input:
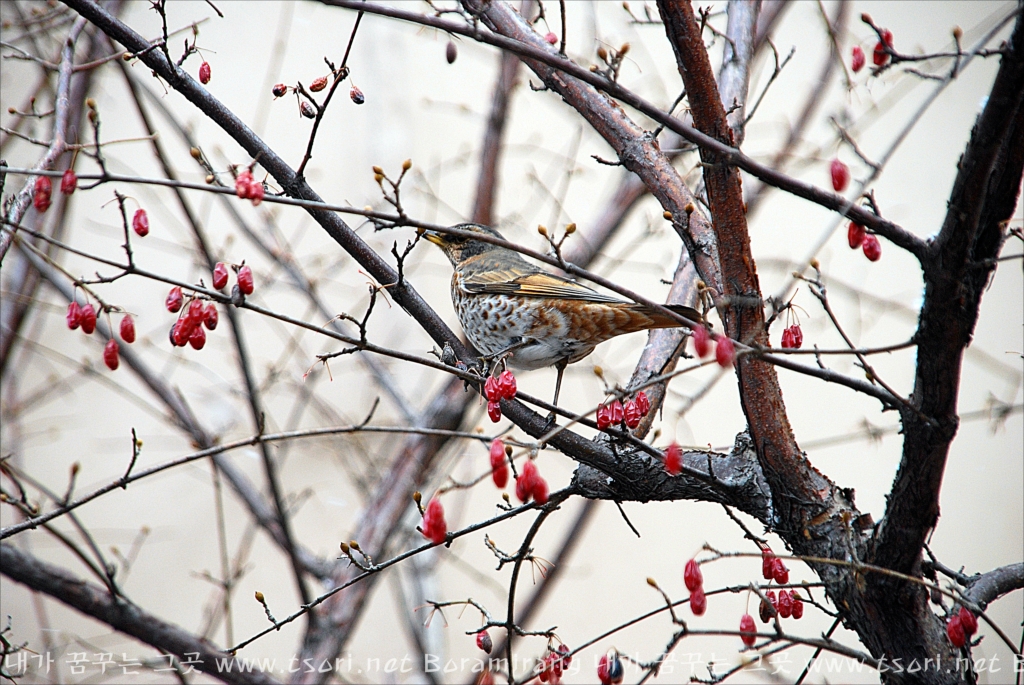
[511,308]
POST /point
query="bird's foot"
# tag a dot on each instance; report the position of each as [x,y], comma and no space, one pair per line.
[549,423]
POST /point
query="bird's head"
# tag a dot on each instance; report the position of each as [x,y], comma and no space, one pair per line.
[461,247]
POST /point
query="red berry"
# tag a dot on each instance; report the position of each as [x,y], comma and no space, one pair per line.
[174,300]
[507,385]
[792,338]
[540,490]
[968,621]
[494,411]
[609,669]
[522,491]
[220,276]
[955,631]
[88,319]
[747,628]
[256,193]
[197,339]
[74,315]
[857,63]
[110,357]
[68,182]
[673,460]
[492,390]
[698,602]
[701,341]
[880,56]
[497,453]
[773,599]
[318,84]
[872,248]
[435,528]
[550,37]
[855,235]
[787,339]
[245,282]
[692,575]
[483,641]
[180,332]
[451,52]
[279,90]
[617,412]
[357,95]
[631,414]
[128,329]
[785,605]
[526,482]
[798,606]
[486,677]
[604,417]
[499,474]
[140,223]
[725,352]
[41,193]
[840,175]
[195,312]
[780,572]
[642,403]
[211,317]
[204,73]
[243,182]
[767,564]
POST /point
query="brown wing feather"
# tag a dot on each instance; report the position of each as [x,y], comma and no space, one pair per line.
[537,284]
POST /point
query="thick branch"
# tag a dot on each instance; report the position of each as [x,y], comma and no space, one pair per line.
[988,587]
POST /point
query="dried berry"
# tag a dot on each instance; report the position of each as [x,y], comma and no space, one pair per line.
[494,411]
[642,403]
[197,339]
[211,317]
[798,606]
[74,315]
[673,460]
[483,641]
[128,329]
[110,356]
[88,319]
[785,605]
[507,385]
[306,110]
[692,575]
[140,223]
[955,631]
[840,175]
[857,63]
[792,338]
[68,182]
[968,621]
[872,248]
[435,528]
[725,352]
[451,52]
[766,611]
[701,341]
[279,90]
[631,414]
[748,630]
[698,602]
[780,572]
[204,73]
[245,282]
[855,235]
[618,414]
[604,416]
[220,276]
[318,84]
[492,389]
[41,193]
[357,95]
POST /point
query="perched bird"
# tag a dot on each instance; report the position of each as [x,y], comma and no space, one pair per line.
[508,305]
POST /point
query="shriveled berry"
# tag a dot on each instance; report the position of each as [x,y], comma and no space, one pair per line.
[855,235]
[74,315]
[174,300]
[872,248]
[279,90]
[318,84]
[766,611]
[604,417]
[484,642]
[617,412]
[701,341]
[857,62]
[698,602]
[840,175]
[245,282]
[631,414]
[798,606]
[642,403]
[211,317]
[785,605]
[197,339]
[780,572]
[110,355]
[507,385]
[673,460]
[68,182]
[41,193]
[494,411]
[88,319]
[220,276]
[140,223]
[451,52]
[968,621]
[492,389]
[748,630]
[725,352]
[306,110]
[692,575]
[955,631]
[128,329]
[204,73]
[356,95]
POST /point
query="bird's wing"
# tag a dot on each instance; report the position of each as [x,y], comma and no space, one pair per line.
[536,284]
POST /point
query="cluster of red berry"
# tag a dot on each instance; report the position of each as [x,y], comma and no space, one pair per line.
[615,413]
[42,190]
[499,467]
[880,56]
[84,316]
[792,337]
[772,567]
[609,668]
[857,236]
[530,485]
[725,350]
[497,388]
[694,581]
[787,603]
[189,327]
[434,528]
[248,188]
[550,668]
[961,626]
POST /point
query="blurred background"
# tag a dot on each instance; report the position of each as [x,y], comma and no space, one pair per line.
[61,406]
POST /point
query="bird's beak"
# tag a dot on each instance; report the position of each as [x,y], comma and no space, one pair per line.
[432,236]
